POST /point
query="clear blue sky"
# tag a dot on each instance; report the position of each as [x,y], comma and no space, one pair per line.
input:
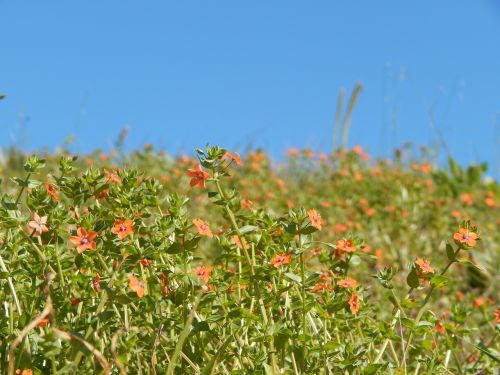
[261,73]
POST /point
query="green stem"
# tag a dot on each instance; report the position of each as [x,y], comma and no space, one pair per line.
[426,300]
[243,243]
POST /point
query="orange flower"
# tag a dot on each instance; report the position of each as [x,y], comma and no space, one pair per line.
[464,236]
[497,315]
[467,199]
[315,218]
[112,177]
[478,302]
[84,240]
[39,224]
[440,328]
[123,228]
[346,246]
[354,303]
[51,190]
[24,372]
[321,287]
[281,259]
[43,323]
[203,228]
[203,273]
[234,157]
[245,203]
[136,285]
[424,266]
[198,176]
[347,283]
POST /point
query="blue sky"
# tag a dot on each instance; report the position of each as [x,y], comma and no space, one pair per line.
[260,73]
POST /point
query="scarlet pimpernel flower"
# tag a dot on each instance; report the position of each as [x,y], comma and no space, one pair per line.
[136,285]
[84,240]
[345,245]
[347,283]
[112,177]
[203,272]
[281,259]
[354,303]
[198,176]
[123,228]
[234,157]
[203,228]
[51,190]
[464,236]
[38,224]
[316,220]
[424,266]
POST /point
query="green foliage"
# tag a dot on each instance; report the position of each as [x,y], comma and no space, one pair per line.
[121,263]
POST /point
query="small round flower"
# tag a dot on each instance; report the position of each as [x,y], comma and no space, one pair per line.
[354,303]
[203,273]
[281,259]
[198,176]
[38,224]
[424,266]
[316,220]
[464,236]
[123,228]
[136,285]
[347,283]
[203,228]
[84,240]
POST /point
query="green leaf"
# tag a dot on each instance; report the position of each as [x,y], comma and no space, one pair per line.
[439,281]
[293,277]
[475,265]
[412,279]
[450,253]
[490,352]
[211,366]
[175,248]
[248,229]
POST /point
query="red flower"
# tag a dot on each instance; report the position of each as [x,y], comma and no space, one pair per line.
[96,283]
[440,328]
[84,240]
[51,190]
[198,176]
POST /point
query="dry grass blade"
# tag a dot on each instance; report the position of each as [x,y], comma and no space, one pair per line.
[350,107]
[72,337]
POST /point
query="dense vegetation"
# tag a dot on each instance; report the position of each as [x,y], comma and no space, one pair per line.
[142,263]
